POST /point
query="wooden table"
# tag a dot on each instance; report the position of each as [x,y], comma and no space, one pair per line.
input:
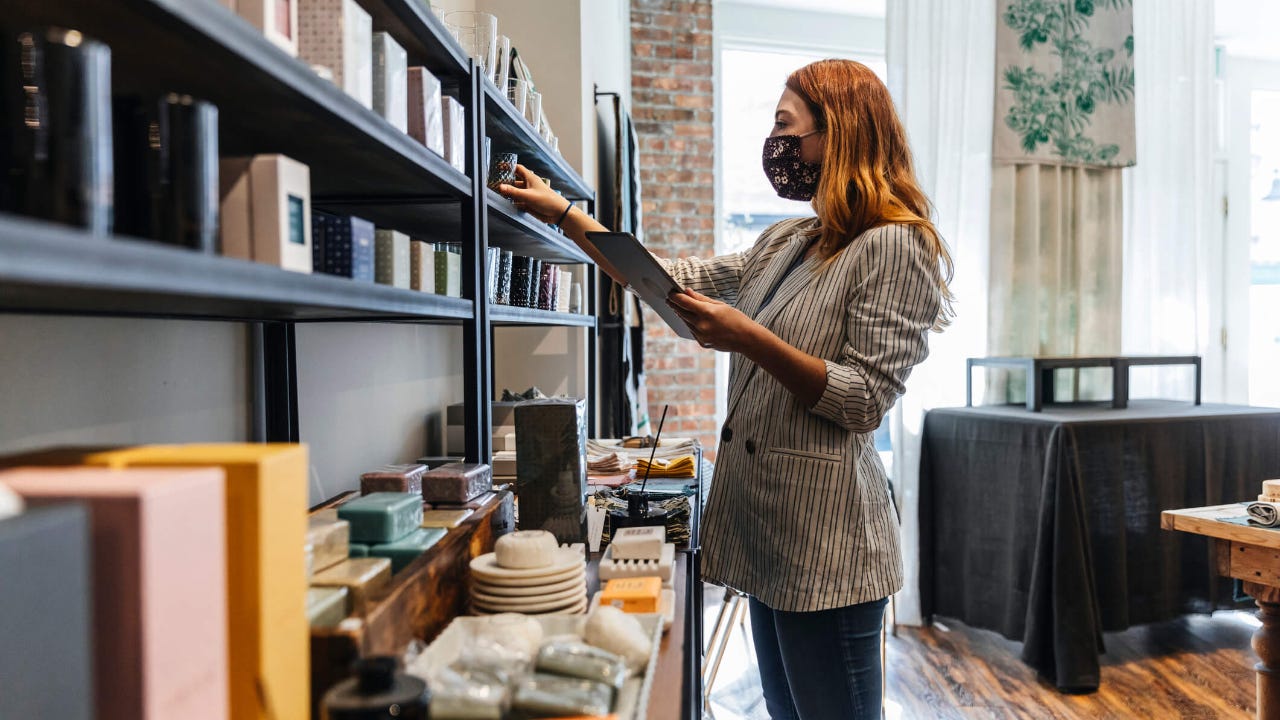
[1250,554]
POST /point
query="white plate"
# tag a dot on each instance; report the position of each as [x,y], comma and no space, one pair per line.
[530,590]
[518,603]
[486,566]
[569,599]
[666,606]
[559,608]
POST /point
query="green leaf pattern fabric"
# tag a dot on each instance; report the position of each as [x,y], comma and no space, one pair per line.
[1064,85]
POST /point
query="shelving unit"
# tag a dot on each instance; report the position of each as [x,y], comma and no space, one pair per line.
[270,102]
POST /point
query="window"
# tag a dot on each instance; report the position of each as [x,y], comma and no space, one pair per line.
[1264,248]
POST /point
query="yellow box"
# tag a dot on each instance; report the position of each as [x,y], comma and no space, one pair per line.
[266,511]
[633,595]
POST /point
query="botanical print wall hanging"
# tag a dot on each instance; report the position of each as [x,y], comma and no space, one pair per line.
[1064,82]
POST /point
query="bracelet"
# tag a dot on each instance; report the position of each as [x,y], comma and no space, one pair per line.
[563,215]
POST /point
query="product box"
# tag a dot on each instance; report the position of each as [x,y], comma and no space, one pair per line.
[266,521]
[562,291]
[551,467]
[343,246]
[422,266]
[159,584]
[426,123]
[266,211]
[277,19]
[391,258]
[364,578]
[46,666]
[448,272]
[390,81]
[338,35]
[455,132]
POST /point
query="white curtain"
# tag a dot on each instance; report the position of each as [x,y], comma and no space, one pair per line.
[941,65]
[1172,253]
[1056,239]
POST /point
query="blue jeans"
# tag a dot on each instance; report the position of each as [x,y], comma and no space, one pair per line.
[821,665]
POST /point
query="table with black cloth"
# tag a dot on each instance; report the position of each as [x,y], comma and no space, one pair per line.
[1045,527]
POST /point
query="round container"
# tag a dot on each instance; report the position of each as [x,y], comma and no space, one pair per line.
[525,549]
[502,169]
[575,298]
[518,91]
[477,32]
[533,108]
[377,692]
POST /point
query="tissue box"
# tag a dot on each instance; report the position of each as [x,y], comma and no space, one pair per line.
[342,246]
[338,35]
[266,523]
[455,132]
[365,578]
[426,122]
[551,467]
[390,81]
[46,670]
[382,517]
[159,585]
[391,258]
[456,482]
[393,478]
[422,266]
[266,211]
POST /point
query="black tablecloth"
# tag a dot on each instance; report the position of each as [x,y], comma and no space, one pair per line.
[1045,527]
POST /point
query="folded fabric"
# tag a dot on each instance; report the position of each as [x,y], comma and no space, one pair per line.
[1264,513]
[667,448]
[613,463]
[609,481]
[681,467]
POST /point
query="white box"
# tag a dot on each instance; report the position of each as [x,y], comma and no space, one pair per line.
[426,123]
[266,211]
[277,19]
[391,81]
[338,34]
[638,543]
[391,258]
[455,132]
[422,266]
[562,291]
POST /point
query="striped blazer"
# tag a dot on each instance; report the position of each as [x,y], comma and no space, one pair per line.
[799,515]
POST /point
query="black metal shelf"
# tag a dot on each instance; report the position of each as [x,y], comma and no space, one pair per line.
[509,315]
[268,102]
[422,35]
[49,268]
[510,132]
[532,237]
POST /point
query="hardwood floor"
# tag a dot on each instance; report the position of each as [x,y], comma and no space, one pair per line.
[1196,668]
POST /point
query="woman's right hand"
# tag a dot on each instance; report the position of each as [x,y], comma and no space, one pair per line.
[533,196]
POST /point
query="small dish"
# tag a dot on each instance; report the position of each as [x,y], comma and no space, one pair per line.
[519,591]
[489,602]
[577,607]
[564,562]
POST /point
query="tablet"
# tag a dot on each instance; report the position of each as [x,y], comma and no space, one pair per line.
[645,276]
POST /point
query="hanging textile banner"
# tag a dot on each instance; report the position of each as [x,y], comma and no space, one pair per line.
[1064,83]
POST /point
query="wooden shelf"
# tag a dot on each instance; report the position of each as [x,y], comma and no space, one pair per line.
[511,316]
[49,268]
[512,133]
[268,102]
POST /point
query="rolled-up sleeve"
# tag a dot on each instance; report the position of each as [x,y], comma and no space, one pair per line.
[891,311]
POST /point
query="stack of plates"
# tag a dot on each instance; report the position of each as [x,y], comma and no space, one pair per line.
[558,588]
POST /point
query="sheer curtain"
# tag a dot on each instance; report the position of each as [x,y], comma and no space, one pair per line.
[1171,269]
[941,66]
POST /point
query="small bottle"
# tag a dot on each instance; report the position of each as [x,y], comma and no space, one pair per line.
[377,692]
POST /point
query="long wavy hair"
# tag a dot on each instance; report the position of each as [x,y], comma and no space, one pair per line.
[867,175]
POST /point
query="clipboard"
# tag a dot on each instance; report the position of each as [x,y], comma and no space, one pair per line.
[644,275]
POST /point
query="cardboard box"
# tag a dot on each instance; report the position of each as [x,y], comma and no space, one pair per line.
[391,81]
[426,123]
[422,266]
[338,35]
[277,19]
[391,258]
[455,132]
[266,211]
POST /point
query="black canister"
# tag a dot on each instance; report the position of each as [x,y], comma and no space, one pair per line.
[141,167]
[192,206]
[503,295]
[77,85]
[520,280]
[377,692]
[535,282]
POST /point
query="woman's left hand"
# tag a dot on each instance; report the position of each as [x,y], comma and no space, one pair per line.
[715,324]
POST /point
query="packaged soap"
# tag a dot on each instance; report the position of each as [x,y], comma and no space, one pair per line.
[455,144]
[338,35]
[580,660]
[445,518]
[422,266]
[328,540]
[456,482]
[277,19]
[543,695]
[382,517]
[266,211]
[426,123]
[448,271]
[633,595]
[613,630]
[407,549]
[45,594]
[326,606]
[265,522]
[343,246]
[391,258]
[390,81]
[378,692]
[159,592]
[358,550]
[393,478]
[364,578]
[638,543]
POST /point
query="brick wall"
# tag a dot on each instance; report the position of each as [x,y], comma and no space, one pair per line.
[672,105]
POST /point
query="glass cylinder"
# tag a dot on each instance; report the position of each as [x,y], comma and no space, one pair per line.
[533,109]
[518,91]
[477,32]
[575,298]
[502,171]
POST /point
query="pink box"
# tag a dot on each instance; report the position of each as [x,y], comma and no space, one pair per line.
[160,587]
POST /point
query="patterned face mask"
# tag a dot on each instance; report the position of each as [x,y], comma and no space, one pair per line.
[791,177]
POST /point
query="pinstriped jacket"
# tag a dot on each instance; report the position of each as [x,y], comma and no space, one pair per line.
[799,515]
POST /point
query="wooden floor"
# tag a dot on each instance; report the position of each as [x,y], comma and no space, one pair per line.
[1198,667]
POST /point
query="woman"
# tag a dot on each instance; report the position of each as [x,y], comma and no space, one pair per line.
[835,310]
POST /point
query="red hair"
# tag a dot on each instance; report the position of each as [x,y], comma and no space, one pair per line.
[867,174]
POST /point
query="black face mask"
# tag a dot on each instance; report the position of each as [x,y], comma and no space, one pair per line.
[791,177]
